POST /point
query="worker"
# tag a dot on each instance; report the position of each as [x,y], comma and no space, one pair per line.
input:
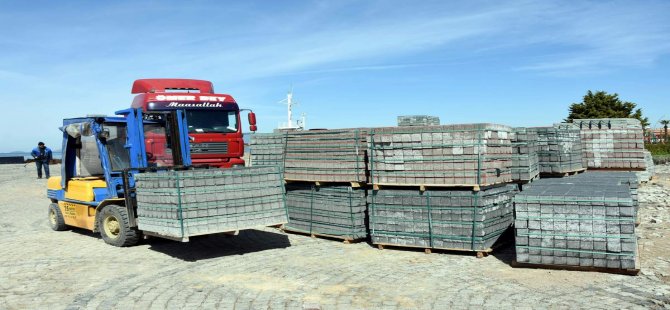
[42,155]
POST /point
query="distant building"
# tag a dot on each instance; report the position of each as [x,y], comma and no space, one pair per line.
[656,135]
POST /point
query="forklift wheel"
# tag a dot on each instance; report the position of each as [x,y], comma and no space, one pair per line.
[56,220]
[115,228]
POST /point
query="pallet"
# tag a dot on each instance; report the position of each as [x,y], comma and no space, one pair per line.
[344,239]
[533,179]
[428,250]
[187,238]
[562,174]
[324,183]
[424,187]
[618,169]
[630,272]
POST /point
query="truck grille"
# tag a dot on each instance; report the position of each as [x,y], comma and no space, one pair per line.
[209,148]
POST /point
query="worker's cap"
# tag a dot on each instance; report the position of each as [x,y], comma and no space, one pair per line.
[40,143]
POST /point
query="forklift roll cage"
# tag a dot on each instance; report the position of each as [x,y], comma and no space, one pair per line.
[120,184]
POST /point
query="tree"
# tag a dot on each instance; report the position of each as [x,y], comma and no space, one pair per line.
[665,129]
[603,105]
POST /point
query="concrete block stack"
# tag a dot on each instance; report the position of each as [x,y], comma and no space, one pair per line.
[418,120]
[581,221]
[330,210]
[525,160]
[592,179]
[440,219]
[612,143]
[560,148]
[450,155]
[187,203]
[326,156]
[649,170]
[267,149]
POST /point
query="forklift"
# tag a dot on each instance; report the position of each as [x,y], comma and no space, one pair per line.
[101,154]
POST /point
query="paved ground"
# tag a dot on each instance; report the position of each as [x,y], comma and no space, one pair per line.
[266,269]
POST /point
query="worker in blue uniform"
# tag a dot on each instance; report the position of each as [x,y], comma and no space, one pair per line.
[42,155]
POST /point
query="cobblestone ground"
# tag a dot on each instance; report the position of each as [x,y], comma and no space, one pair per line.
[267,269]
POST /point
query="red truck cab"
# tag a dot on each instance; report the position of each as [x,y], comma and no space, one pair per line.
[214,124]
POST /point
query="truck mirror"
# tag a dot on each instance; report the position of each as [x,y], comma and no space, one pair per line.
[252,122]
[252,118]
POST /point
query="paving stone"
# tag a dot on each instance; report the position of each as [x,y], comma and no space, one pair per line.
[335,210]
[196,203]
[418,120]
[596,238]
[525,159]
[612,143]
[470,154]
[446,219]
[560,148]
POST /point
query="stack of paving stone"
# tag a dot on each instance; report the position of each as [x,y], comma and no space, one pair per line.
[600,177]
[186,203]
[525,161]
[418,120]
[559,148]
[440,219]
[326,156]
[267,149]
[331,210]
[582,221]
[649,170]
[612,143]
[450,155]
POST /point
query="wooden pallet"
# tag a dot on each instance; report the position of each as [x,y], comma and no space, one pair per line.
[630,272]
[428,250]
[345,239]
[533,179]
[618,169]
[324,183]
[424,187]
[562,174]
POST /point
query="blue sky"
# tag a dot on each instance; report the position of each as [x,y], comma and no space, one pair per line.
[351,63]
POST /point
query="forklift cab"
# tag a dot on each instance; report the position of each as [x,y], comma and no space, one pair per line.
[100,156]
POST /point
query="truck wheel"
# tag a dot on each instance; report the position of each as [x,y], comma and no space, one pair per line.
[115,228]
[56,220]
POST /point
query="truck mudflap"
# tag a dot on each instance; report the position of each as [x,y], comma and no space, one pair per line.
[181,204]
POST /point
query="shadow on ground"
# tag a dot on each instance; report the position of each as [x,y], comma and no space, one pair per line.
[218,245]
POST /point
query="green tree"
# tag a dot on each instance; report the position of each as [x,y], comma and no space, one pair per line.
[603,105]
[665,123]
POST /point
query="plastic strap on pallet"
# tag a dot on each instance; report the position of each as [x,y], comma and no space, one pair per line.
[430,219]
[179,207]
[357,159]
[371,219]
[475,204]
[351,209]
[371,151]
[283,188]
[311,208]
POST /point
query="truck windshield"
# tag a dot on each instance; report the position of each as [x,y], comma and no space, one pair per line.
[204,121]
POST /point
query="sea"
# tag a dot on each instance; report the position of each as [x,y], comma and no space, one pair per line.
[26,155]
[58,155]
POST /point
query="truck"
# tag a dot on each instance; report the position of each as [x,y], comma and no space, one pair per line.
[214,128]
[103,158]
